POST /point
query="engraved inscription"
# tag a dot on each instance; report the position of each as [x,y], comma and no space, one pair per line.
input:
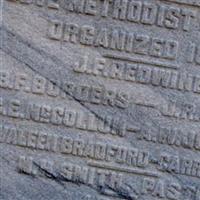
[184,110]
[138,73]
[193,53]
[77,147]
[147,13]
[39,85]
[132,11]
[179,165]
[74,173]
[106,179]
[63,116]
[171,136]
[113,39]
[99,99]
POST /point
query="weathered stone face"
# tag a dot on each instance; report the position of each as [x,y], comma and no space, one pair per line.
[100,100]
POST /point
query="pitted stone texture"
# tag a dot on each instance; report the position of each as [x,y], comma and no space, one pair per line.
[99,100]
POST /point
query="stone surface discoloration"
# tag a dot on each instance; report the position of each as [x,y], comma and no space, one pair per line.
[99,100]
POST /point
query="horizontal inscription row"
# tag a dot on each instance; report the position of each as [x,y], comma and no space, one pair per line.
[38,85]
[63,116]
[132,11]
[117,39]
[171,136]
[137,73]
[111,183]
[131,159]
